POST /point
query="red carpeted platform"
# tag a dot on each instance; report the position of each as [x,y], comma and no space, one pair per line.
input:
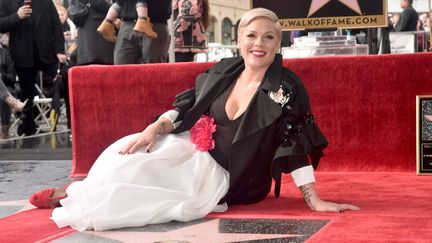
[365,106]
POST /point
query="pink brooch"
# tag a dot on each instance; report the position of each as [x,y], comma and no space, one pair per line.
[201,134]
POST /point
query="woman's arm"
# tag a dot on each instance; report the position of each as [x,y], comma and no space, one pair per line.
[312,199]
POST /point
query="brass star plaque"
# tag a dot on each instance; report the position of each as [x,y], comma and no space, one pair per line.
[424,134]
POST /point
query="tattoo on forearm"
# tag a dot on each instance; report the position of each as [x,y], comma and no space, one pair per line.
[306,195]
[164,128]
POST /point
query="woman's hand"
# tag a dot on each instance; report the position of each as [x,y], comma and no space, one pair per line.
[145,139]
[323,206]
[311,198]
[61,57]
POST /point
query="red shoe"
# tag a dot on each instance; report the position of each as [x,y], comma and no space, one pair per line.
[42,199]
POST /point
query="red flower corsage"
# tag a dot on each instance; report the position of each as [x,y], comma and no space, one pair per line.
[201,134]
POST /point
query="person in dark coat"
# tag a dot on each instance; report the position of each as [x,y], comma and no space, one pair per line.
[246,120]
[36,44]
[409,17]
[91,47]
[7,87]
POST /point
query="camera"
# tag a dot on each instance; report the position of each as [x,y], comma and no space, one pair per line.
[28,3]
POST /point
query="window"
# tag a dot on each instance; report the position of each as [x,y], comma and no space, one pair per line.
[211,30]
[236,30]
[226,31]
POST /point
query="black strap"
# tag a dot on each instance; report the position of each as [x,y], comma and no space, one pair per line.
[277,186]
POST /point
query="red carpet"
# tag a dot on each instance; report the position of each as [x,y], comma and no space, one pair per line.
[30,226]
[394,207]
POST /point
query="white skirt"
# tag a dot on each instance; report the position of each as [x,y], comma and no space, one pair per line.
[172,182]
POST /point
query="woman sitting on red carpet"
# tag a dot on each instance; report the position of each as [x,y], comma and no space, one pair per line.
[246,119]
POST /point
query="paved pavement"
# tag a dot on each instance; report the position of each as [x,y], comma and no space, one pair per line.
[30,164]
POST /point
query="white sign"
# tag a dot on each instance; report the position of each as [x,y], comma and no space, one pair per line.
[403,42]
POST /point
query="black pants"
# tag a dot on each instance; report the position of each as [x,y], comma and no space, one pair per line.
[184,56]
[27,82]
[5,113]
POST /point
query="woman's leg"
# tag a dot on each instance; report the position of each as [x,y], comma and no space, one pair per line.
[15,104]
[58,194]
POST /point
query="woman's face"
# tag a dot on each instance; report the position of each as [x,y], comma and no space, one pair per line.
[258,43]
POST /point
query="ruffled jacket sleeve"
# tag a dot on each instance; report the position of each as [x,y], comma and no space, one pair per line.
[301,142]
[183,102]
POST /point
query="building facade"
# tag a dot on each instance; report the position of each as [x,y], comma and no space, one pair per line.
[225,16]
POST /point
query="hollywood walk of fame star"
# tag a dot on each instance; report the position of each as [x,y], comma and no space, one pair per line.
[317,4]
[207,231]
[217,230]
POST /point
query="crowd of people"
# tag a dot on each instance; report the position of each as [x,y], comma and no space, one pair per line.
[83,32]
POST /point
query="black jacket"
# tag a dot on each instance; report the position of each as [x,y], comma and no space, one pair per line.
[42,32]
[271,139]
[408,20]
[7,67]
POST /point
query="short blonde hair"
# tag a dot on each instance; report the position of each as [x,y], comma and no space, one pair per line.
[61,7]
[255,13]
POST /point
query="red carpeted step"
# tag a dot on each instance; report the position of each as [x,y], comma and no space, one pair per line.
[31,226]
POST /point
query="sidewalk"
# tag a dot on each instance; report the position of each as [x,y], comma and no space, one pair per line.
[30,164]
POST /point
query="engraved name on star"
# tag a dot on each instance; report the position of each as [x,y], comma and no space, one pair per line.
[317,4]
